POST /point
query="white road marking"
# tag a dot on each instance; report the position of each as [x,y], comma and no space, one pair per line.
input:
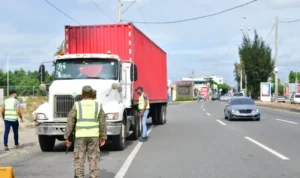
[287,121]
[203,109]
[202,105]
[221,122]
[208,114]
[267,148]
[130,158]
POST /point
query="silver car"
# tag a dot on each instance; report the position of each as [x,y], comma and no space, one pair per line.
[241,108]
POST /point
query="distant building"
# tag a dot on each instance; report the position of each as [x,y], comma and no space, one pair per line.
[200,82]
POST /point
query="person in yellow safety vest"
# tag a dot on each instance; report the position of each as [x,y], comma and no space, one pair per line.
[143,108]
[10,112]
[90,132]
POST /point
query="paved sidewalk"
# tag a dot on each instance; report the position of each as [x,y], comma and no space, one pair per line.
[27,138]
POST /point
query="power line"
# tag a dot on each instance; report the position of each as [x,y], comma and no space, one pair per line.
[103,11]
[62,12]
[270,33]
[291,21]
[195,18]
[128,7]
[143,17]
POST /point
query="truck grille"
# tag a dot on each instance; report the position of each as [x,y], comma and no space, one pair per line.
[63,104]
[245,111]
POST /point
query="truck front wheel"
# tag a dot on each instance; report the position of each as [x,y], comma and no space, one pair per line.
[119,140]
[137,127]
[46,143]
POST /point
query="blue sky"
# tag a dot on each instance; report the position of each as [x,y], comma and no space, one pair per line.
[31,30]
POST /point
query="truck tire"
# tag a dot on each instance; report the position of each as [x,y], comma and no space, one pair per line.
[119,140]
[137,130]
[165,113]
[154,115]
[161,115]
[46,143]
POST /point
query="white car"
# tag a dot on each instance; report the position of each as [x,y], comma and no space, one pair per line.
[295,99]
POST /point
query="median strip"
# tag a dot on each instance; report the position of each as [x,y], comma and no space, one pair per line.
[267,148]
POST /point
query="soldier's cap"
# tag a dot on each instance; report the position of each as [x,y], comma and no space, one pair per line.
[12,92]
[87,90]
[139,88]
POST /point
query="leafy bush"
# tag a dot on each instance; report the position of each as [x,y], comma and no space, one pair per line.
[186,99]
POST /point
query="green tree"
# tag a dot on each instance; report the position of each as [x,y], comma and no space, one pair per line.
[59,49]
[257,62]
[280,85]
[210,81]
[224,88]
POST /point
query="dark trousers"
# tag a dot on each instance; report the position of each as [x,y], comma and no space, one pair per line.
[15,127]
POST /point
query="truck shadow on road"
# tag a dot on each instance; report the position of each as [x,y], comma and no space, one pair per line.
[104,173]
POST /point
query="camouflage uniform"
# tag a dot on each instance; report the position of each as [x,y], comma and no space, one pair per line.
[89,145]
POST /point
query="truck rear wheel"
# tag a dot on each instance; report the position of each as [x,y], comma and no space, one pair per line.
[165,114]
[155,115]
[119,140]
[160,113]
[46,143]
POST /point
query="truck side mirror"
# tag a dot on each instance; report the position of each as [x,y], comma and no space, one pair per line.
[42,73]
[133,73]
[120,72]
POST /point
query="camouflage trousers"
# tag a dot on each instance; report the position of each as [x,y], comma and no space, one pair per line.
[89,146]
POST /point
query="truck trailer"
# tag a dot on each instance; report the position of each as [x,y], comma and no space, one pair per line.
[114,59]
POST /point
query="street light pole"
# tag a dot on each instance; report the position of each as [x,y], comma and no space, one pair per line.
[276,60]
[241,81]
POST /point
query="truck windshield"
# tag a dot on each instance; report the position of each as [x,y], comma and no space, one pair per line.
[86,68]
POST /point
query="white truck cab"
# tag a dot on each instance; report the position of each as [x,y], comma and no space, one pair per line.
[110,76]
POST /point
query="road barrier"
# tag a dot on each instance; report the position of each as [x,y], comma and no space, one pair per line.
[7,172]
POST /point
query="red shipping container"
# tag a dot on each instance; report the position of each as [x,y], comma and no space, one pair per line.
[129,43]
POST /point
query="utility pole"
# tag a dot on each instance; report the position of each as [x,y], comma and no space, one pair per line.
[7,69]
[276,60]
[296,72]
[119,11]
[246,94]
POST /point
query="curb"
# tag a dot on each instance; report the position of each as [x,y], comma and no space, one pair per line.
[281,108]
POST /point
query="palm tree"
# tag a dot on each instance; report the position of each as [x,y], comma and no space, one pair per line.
[211,83]
[59,49]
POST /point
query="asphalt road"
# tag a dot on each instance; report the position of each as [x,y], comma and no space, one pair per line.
[196,142]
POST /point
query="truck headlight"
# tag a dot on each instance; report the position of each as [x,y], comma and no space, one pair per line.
[41,116]
[112,116]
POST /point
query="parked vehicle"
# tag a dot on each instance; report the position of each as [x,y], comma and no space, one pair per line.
[225,97]
[238,94]
[114,60]
[281,99]
[215,96]
[241,108]
[295,99]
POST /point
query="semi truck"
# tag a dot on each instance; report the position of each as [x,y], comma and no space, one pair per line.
[113,59]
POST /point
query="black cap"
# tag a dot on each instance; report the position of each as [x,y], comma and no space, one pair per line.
[139,88]
[12,92]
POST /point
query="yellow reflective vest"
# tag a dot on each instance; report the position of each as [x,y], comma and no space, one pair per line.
[142,102]
[10,110]
[87,124]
